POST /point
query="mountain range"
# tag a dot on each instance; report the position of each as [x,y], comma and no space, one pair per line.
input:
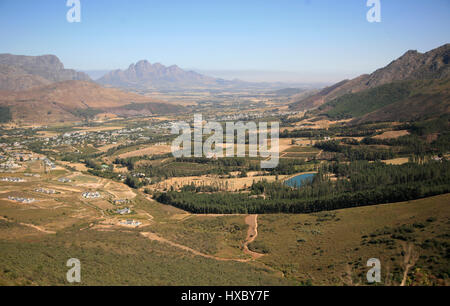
[19,72]
[415,85]
[39,90]
[144,75]
[411,66]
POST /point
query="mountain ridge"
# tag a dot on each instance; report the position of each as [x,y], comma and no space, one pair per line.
[144,75]
[21,72]
[70,100]
[412,65]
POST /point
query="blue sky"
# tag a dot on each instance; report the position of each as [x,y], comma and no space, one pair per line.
[315,39]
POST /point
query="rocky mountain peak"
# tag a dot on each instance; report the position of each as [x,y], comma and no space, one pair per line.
[19,72]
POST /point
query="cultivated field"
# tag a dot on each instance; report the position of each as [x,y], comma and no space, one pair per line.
[226,184]
[150,150]
[392,134]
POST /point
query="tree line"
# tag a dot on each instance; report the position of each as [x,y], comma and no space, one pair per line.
[358,184]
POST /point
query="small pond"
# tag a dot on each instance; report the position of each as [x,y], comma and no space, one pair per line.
[298,180]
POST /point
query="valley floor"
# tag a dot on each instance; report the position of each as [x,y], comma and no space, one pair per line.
[172,247]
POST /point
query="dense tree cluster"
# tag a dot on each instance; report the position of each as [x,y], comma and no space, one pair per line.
[354,153]
[5,114]
[133,182]
[363,130]
[361,103]
[358,184]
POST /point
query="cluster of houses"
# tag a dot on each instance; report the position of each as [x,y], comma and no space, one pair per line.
[239,116]
[437,158]
[14,159]
[91,195]
[123,211]
[46,191]
[32,175]
[9,165]
[13,179]
[121,202]
[49,164]
[12,164]
[250,116]
[64,180]
[99,138]
[131,223]
[13,154]
[21,200]
[162,126]
[138,174]
[20,156]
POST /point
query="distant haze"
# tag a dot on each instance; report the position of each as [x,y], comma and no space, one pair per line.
[260,75]
[96,74]
[278,76]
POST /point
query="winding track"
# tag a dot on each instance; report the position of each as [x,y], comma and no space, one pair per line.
[38,228]
[252,233]
[252,221]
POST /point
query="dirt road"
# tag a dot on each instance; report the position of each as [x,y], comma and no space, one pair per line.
[38,228]
[155,237]
[252,233]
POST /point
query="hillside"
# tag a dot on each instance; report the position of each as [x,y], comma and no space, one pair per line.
[16,79]
[428,99]
[18,72]
[72,101]
[144,75]
[288,91]
[411,66]
[407,100]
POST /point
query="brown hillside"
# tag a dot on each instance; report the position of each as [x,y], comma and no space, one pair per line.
[77,94]
[57,102]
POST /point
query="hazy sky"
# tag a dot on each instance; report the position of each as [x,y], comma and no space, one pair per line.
[319,40]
